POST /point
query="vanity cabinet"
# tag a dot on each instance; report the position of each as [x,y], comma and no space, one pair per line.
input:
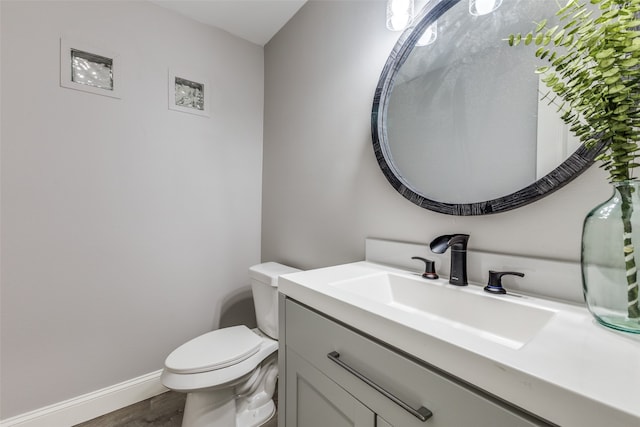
[335,376]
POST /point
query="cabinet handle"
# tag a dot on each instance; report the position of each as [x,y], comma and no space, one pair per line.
[422,413]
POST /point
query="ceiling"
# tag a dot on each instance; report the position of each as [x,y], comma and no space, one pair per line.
[253,20]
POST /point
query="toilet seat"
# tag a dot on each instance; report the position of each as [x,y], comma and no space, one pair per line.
[222,376]
[214,350]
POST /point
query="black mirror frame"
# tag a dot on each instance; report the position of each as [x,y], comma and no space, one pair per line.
[577,163]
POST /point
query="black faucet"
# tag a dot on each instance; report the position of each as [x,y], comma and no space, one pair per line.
[458,244]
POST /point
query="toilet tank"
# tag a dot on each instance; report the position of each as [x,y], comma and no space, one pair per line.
[264,284]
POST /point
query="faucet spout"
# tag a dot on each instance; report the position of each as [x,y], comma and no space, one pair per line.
[458,245]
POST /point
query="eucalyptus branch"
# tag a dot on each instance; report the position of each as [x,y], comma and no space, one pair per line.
[593,68]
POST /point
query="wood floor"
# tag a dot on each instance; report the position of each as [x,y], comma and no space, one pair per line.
[164,410]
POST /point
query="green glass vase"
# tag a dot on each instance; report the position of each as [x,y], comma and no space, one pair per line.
[609,258]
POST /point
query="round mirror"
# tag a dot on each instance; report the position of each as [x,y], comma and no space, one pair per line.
[458,123]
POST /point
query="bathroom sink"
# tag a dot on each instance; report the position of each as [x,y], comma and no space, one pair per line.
[505,319]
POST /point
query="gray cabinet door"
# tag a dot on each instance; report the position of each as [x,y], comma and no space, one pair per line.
[313,400]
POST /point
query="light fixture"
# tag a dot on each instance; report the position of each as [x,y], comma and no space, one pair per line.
[483,7]
[429,36]
[399,14]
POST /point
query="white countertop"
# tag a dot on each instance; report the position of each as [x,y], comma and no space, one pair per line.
[573,372]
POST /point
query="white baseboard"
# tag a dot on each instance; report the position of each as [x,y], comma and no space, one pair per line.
[91,405]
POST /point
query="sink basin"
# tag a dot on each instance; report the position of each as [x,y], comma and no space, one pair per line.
[505,319]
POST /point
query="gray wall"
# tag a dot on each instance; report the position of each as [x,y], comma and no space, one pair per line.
[127,228]
[323,192]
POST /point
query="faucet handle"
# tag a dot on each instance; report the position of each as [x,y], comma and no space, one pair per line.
[429,268]
[495,281]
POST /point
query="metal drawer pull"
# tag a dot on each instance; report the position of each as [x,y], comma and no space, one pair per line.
[422,413]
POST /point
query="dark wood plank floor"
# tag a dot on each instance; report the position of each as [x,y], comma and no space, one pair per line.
[164,410]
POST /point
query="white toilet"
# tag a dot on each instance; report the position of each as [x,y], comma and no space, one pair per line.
[230,374]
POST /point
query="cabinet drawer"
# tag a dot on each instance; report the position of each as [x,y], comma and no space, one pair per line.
[314,337]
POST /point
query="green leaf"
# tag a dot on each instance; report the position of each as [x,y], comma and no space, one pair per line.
[616,88]
[567,40]
[528,39]
[541,25]
[610,72]
[606,63]
[570,4]
[605,53]
[612,79]
[558,37]
[628,63]
[551,31]
[621,109]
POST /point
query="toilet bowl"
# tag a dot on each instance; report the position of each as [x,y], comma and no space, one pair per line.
[230,374]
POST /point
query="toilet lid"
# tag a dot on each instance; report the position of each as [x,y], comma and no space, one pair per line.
[214,350]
